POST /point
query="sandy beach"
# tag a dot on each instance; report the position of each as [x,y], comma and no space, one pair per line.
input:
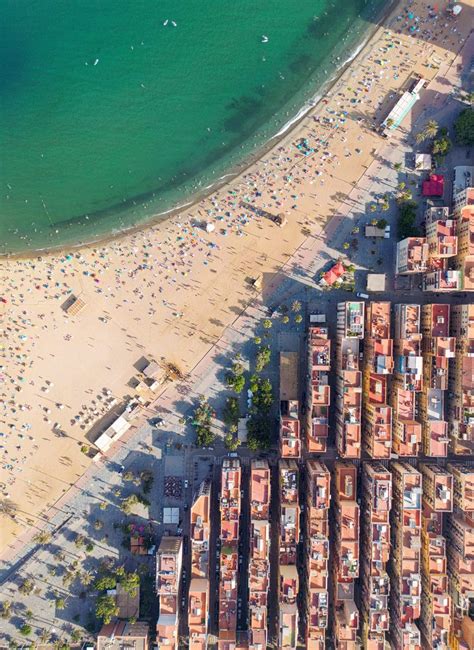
[168,291]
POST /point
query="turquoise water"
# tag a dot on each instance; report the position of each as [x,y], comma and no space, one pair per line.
[108,117]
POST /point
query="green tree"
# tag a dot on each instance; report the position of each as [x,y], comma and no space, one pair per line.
[85,449]
[129,503]
[259,432]
[231,443]
[263,358]
[204,437]
[257,340]
[75,636]
[262,396]
[106,608]
[130,582]
[285,319]
[79,541]
[202,422]
[407,219]
[239,384]
[397,166]
[98,524]
[442,144]
[60,603]
[464,127]
[25,629]
[404,196]
[382,223]
[267,323]
[373,207]
[298,318]
[26,587]
[346,245]
[235,378]
[147,477]
[231,411]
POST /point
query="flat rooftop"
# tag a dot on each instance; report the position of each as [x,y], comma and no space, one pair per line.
[378,320]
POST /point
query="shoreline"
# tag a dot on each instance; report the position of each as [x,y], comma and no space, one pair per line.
[232,173]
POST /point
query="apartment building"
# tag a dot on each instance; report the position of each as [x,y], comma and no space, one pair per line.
[443,280]
[405,558]
[435,619]
[231,479]
[407,380]
[345,554]
[438,349]
[289,532]
[375,538]
[198,602]
[320,391]
[123,634]
[290,436]
[169,558]
[463,207]
[408,355]
[378,366]
[411,256]
[460,534]
[318,500]
[350,331]
[259,556]
[463,190]
[435,213]
[461,381]
[442,240]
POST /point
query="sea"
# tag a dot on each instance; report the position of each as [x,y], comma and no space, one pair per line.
[113,114]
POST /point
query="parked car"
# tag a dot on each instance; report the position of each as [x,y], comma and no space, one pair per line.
[365,296]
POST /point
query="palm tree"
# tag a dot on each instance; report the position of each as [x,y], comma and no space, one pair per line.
[6,609]
[429,132]
[86,578]
[7,508]
[44,636]
[43,537]
[296,306]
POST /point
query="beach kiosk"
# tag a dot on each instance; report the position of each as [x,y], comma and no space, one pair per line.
[402,108]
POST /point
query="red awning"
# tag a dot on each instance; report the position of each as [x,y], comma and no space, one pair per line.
[333,274]
[434,186]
